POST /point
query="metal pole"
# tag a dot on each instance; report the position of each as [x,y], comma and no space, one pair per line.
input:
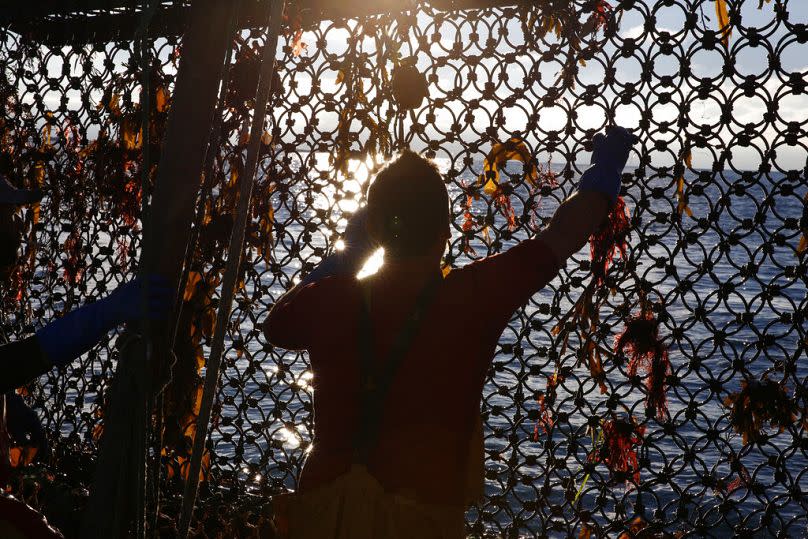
[113,506]
[144,44]
[234,253]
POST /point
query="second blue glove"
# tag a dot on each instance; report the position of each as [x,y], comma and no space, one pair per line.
[75,333]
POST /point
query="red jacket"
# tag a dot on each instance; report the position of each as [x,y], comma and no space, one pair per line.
[434,399]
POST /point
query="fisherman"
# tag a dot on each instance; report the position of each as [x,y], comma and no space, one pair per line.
[400,358]
[54,345]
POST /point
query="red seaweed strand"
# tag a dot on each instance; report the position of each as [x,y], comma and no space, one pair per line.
[621,439]
[646,353]
[609,240]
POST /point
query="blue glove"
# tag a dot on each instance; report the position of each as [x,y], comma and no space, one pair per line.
[358,246]
[23,423]
[609,156]
[70,336]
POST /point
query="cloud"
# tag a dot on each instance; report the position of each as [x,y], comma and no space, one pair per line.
[637,31]
[633,32]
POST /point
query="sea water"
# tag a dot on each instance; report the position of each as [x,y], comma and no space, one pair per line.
[727,244]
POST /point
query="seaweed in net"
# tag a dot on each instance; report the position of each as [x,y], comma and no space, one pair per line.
[296,218]
[608,243]
[621,437]
[648,354]
[758,404]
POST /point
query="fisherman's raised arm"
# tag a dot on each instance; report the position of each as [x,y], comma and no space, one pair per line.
[505,281]
[70,336]
[579,216]
[287,321]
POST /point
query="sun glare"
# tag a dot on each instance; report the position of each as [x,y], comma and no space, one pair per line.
[372,264]
[288,437]
[345,190]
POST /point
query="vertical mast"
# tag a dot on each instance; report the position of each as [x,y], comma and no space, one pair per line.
[118,490]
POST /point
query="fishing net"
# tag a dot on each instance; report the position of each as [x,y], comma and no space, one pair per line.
[655,389]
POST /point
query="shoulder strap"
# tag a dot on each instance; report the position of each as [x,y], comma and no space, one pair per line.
[374,386]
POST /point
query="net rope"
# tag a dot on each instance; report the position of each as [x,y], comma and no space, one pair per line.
[716,196]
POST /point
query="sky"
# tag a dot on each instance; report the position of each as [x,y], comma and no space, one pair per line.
[749,61]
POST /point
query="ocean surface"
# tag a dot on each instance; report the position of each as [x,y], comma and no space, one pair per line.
[724,239]
[742,232]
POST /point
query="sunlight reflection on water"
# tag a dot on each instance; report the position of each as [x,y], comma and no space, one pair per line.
[293,433]
[345,191]
[289,437]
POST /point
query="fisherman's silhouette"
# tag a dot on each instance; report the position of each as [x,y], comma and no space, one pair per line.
[54,345]
[400,358]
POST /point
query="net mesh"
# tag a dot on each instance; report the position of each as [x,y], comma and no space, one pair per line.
[696,425]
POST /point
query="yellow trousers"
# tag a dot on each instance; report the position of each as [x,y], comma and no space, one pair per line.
[355,506]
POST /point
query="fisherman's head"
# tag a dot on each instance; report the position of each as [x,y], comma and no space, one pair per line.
[408,209]
[11,228]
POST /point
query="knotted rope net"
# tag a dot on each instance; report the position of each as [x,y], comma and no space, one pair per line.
[657,389]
